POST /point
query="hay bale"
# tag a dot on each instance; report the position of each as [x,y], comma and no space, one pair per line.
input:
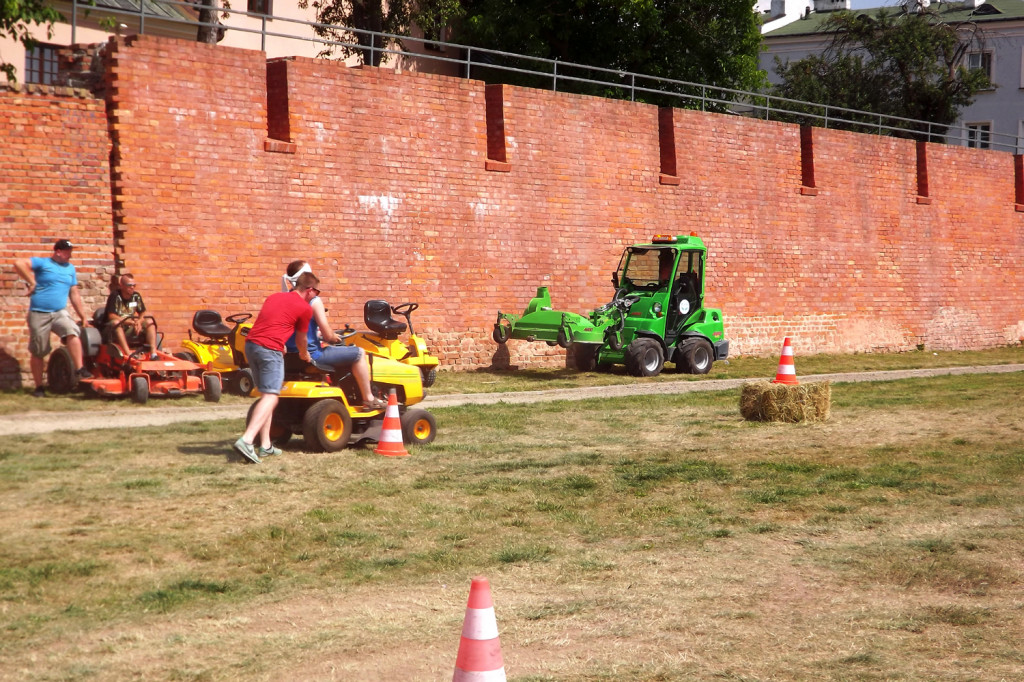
[764,401]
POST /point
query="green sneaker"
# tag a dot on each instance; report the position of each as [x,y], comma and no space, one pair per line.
[267,452]
[246,450]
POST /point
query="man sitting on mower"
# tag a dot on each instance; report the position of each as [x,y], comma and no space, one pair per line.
[332,356]
[126,326]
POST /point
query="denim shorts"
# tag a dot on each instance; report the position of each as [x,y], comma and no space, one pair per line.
[267,367]
[337,356]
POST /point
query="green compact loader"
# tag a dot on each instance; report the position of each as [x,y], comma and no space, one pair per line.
[656,316]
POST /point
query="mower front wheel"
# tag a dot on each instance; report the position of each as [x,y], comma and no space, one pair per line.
[212,387]
[139,390]
[429,376]
[644,358]
[501,332]
[418,427]
[327,426]
[242,382]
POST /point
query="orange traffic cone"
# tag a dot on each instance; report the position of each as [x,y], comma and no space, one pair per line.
[786,374]
[390,443]
[479,658]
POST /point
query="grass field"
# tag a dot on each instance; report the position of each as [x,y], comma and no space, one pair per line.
[648,538]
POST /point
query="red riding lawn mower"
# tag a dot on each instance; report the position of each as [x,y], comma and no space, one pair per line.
[137,374]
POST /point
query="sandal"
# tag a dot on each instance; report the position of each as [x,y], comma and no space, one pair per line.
[374,404]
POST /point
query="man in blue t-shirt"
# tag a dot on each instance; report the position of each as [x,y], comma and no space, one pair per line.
[51,282]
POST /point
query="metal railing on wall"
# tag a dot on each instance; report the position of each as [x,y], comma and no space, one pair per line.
[497,66]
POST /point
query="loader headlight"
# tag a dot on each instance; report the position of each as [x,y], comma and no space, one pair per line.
[657,309]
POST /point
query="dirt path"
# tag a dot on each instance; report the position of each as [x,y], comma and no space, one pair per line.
[129,416]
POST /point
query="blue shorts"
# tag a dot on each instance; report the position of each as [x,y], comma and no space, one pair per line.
[267,367]
[337,356]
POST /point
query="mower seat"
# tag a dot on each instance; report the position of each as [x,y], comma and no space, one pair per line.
[209,323]
[377,315]
[295,366]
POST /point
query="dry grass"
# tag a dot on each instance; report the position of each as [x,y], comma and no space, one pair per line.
[652,538]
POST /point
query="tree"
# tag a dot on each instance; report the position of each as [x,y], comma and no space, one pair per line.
[393,17]
[909,64]
[712,42]
[15,19]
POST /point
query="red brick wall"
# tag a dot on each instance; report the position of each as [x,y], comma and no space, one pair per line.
[384,186]
[54,183]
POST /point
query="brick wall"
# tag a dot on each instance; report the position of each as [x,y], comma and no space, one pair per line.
[54,183]
[388,183]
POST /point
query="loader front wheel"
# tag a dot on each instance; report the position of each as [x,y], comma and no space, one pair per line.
[644,358]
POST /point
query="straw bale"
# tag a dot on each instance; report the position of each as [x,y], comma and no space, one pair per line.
[767,402]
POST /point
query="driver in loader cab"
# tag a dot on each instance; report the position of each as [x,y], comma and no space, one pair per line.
[126,326]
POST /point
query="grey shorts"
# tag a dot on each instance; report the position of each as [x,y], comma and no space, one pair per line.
[267,367]
[40,325]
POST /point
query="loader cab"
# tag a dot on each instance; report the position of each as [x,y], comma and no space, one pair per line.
[670,272]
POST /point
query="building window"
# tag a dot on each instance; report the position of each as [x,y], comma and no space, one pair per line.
[41,64]
[980,61]
[978,135]
[264,7]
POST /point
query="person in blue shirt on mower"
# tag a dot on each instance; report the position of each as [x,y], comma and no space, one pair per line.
[333,356]
[51,283]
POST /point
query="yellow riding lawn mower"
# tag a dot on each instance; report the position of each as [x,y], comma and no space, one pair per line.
[220,348]
[382,339]
[325,406]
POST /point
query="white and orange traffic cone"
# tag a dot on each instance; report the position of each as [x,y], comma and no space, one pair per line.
[786,374]
[390,443]
[479,658]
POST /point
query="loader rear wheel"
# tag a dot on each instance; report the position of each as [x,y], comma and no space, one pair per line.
[326,426]
[695,357]
[644,358]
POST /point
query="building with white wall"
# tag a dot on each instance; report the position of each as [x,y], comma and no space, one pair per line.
[995,119]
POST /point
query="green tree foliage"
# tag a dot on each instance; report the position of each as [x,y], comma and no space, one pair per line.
[16,16]
[713,42]
[895,63]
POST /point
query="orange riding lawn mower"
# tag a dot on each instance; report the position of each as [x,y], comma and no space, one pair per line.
[141,373]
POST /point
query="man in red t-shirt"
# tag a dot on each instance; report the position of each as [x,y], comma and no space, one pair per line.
[281,316]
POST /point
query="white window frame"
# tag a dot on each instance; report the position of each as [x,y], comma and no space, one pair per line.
[980,58]
[978,135]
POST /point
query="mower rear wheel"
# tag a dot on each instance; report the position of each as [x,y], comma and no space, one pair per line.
[60,372]
[644,358]
[280,434]
[189,356]
[695,358]
[139,390]
[326,426]
[242,382]
[429,376]
[212,387]
[418,427]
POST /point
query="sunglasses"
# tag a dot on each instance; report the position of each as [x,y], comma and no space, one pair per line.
[316,292]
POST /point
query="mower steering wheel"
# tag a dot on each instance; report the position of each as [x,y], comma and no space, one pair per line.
[404,308]
[346,332]
[238,318]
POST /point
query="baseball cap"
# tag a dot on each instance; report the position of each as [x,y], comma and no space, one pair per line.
[62,245]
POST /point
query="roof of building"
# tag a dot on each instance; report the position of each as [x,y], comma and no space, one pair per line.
[950,12]
[153,8]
